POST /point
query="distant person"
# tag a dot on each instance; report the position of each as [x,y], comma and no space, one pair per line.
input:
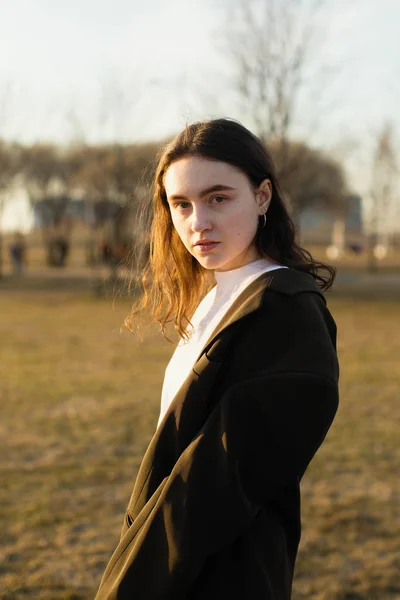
[106,252]
[356,248]
[62,250]
[17,250]
[250,391]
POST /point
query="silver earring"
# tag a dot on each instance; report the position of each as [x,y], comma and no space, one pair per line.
[263,224]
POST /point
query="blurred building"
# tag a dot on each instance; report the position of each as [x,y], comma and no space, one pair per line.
[320,226]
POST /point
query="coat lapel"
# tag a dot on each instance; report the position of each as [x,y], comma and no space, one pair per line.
[213,350]
[247,302]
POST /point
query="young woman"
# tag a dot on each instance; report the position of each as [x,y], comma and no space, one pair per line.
[250,392]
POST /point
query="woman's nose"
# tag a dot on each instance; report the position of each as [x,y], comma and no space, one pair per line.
[200,221]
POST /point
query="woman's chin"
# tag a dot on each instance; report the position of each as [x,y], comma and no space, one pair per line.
[209,263]
[212,262]
[216,262]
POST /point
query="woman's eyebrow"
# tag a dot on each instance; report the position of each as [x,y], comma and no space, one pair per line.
[214,188]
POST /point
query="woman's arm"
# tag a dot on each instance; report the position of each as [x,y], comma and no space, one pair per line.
[261,435]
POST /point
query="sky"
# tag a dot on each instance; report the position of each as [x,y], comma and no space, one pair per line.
[160,63]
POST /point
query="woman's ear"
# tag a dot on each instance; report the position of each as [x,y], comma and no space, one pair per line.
[264,195]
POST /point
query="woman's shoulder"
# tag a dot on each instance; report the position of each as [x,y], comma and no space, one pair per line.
[272,287]
[290,328]
[283,299]
[294,296]
[286,300]
[291,281]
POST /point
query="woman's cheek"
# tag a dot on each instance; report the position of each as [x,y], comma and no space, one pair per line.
[177,223]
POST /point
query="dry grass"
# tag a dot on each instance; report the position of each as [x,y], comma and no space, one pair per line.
[351,503]
[79,403]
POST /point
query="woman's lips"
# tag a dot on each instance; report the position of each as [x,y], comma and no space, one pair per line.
[206,246]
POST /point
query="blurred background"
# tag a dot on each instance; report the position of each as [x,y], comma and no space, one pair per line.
[89,92]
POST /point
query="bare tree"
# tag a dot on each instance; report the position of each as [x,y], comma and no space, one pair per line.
[106,172]
[269,43]
[311,179]
[385,170]
[110,182]
[47,178]
[117,104]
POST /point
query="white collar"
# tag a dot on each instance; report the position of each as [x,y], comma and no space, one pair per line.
[227,281]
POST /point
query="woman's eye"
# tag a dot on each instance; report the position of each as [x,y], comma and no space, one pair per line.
[182,205]
[218,199]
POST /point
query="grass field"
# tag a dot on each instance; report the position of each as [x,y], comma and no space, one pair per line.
[79,403]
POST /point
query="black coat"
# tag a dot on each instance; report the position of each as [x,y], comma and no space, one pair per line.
[215,510]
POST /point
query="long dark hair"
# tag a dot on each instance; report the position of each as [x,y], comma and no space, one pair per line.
[174,281]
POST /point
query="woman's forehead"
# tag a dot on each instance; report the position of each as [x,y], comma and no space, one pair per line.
[191,174]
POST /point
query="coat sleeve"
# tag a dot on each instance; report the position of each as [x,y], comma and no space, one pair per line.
[260,435]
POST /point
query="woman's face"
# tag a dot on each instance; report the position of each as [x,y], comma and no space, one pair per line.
[215,211]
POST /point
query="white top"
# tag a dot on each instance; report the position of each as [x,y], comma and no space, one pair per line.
[206,317]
